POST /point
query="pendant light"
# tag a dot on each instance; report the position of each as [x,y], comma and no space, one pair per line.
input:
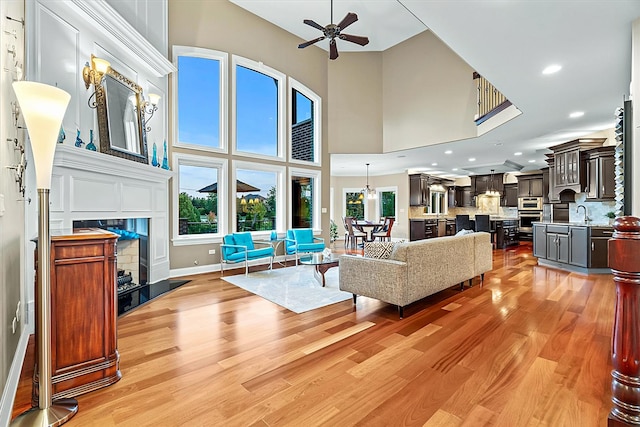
[491,191]
[370,192]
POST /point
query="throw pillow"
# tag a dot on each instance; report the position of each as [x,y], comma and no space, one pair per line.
[380,250]
[463,232]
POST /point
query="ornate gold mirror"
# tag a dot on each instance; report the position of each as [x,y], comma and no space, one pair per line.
[121,127]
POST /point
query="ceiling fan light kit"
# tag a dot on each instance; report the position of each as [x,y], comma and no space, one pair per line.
[333,31]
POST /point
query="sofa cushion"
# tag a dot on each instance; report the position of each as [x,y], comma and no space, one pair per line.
[244,239]
[310,247]
[379,250]
[229,240]
[303,235]
[251,254]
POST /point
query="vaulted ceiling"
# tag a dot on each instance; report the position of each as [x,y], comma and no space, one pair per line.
[509,42]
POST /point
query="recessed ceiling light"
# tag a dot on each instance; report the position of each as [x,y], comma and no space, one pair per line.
[434,164]
[498,144]
[576,114]
[454,169]
[552,69]
[448,152]
[518,153]
[401,156]
[472,159]
[532,161]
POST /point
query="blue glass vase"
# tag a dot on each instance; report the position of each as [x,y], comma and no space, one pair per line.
[91,146]
[154,156]
[61,135]
[79,143]
[165,158]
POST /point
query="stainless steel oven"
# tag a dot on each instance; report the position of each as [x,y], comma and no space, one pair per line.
[527,218]
[530,203]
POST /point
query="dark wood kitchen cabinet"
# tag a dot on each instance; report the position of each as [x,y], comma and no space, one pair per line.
[84,351]
[530,186]
[480,184]
[569,168]
[600,174]
[510,196]
[506,232]
[419,192]
[464,197]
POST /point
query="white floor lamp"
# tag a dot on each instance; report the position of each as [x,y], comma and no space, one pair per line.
[43,109]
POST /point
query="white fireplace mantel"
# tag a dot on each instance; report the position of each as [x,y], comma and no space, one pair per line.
[87,185]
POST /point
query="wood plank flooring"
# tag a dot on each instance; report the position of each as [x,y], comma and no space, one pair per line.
[529,348]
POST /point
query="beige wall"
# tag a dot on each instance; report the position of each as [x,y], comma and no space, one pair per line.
[429,94]
[223,26]
[355,96]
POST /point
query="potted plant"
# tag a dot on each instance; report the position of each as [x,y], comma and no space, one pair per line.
[333,232]
[611,215]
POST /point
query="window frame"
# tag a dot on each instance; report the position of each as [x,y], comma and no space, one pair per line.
[223,131]
[280,194]
[201,161]
[317,199]
[392,189]
[317,122]
[259,67]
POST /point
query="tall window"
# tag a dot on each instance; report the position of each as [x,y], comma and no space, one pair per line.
[305,198]
[200,193]
[305,107]
[354,204]
[259,107]
[201,76]
[387,202]
[259,197]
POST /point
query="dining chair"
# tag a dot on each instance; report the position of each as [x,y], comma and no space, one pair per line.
[385,233]
[353,233]
[462,223]
[483,223]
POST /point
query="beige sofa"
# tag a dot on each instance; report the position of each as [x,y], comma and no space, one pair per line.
[417,269]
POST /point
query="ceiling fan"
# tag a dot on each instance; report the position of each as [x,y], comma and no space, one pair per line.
[333,31]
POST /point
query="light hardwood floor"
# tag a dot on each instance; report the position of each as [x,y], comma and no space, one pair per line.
[531,347]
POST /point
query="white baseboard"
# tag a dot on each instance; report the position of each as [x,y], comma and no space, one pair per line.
[10,388]
[210,268]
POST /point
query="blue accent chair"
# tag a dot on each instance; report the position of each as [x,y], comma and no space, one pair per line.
[301,240]
[240,247]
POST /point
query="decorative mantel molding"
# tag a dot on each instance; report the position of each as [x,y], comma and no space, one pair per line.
[88,185]
[115,27]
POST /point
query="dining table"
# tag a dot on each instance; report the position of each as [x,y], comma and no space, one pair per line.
[369,228]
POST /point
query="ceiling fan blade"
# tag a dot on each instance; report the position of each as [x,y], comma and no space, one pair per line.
[333,49]
[362,41]
[314,24]
[310,42]
[348,20]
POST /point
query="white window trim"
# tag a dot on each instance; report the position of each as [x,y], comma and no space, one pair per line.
[386,190]
[344,201]
[280,194]
[208,162]
[282,83]
[317,122]
[317,192]
[222,57]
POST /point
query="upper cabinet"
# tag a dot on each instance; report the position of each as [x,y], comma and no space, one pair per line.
[510,196]
[530,186]
[480,184]
[600,165]
[569,168]
[419,192]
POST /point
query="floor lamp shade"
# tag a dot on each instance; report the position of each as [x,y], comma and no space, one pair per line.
[43,109]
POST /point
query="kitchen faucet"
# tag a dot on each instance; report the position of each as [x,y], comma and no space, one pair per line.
[586,218]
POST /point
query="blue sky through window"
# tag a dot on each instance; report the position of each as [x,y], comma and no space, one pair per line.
[198,98]
[193,178]
[256,112]
[303,107]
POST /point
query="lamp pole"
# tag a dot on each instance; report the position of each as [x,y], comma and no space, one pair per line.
[43,109]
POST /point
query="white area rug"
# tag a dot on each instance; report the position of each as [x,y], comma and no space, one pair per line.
[293,288]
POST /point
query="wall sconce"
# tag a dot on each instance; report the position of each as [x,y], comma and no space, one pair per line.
[149,107]
[43,108]
[92,74]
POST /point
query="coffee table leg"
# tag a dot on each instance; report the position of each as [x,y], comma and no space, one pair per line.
[320,271]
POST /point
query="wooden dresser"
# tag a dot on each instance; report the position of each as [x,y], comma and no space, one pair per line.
[84,346]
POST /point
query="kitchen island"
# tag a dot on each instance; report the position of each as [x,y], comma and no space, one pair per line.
[573,246]
[429,226]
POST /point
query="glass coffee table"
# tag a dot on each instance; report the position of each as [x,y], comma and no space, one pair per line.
[321,263]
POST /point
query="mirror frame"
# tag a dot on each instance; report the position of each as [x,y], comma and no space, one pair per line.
[103,120]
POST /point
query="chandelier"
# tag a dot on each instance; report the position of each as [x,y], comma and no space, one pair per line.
[491,190]
[369,191]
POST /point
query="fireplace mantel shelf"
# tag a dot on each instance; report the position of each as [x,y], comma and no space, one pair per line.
[82,159]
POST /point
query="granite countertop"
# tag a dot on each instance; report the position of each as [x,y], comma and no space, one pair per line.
[576,223]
